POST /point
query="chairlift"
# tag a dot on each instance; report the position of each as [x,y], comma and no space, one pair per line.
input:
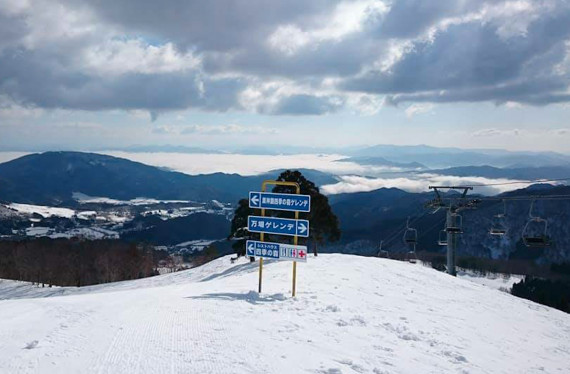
[456,226]
[382,252]
[499,227]
[411,257]
[411,240]
[535,231]
[442,240]
[410,235]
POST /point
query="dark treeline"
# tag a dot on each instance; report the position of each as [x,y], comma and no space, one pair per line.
[74,262]
[544,284]
[484,266]
[544,291]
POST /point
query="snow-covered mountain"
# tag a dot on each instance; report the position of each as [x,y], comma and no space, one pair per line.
[351,315]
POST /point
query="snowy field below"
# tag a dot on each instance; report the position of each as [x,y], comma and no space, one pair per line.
[351,315]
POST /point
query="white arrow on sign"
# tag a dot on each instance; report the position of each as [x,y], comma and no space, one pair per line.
[302,228]
[255,199]
[251,247]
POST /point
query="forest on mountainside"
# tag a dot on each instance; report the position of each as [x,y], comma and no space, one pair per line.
[74,262]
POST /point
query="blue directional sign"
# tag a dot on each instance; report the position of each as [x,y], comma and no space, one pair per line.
[280,201]
[281,226]
[262,249]
[276,251]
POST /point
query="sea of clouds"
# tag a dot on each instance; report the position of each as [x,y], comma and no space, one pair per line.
[351,176]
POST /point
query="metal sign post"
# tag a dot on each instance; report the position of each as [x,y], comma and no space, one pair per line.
[281,226]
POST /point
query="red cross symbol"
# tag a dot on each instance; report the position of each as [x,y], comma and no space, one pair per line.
[301,253]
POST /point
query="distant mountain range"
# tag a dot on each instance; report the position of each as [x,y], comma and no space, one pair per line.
[366,218]
[526,173]
[435,157]
[383,154]
[381,161]
[432,157]
[51,178]
[167,149]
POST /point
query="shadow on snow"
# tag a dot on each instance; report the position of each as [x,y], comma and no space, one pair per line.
[251,297]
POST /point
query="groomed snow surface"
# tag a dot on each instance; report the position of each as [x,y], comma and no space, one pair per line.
[351,315]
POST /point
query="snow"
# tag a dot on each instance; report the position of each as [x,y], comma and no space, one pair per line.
[218,204]
[38,231]
[502,282]
[91,233]
[82,198]
[351,315]
[87,215]
[45,211]
[199,243]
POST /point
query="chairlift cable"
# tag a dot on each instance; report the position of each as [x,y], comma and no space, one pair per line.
[424,232]
[400,231]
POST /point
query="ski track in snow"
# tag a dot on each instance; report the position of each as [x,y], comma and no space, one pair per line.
[351,315]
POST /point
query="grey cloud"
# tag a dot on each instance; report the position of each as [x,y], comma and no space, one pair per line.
[232,35]
[307,105]
[409,18]
[465,62]
[11,30]
[471,62]
[27,77]
[208,25]
[340,58]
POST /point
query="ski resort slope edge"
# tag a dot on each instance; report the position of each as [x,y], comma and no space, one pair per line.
[351,315]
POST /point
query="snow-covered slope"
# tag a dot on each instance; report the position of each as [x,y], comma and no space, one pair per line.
[351,315]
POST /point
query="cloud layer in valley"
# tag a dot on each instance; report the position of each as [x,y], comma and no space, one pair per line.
[420,183]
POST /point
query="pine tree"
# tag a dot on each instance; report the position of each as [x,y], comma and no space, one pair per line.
[238,230]
[324,225]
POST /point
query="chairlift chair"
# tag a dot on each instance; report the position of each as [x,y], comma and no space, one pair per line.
[538,237]
[411,257]
[499,228]
[382,252]
[411,240]
[497,231]
[410,235]
[535,231]
[442,240]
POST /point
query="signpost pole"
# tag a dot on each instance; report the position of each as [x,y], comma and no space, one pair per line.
[261,239]
[295,238]
[295,242]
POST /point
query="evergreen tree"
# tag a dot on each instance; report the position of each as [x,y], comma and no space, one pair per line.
[324,225]
[238,229]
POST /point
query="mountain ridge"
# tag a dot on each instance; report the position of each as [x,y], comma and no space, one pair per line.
[51,178]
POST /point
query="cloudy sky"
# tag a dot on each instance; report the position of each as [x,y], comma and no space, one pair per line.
[105,73]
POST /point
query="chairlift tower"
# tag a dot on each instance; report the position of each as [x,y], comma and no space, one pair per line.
[453,225]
